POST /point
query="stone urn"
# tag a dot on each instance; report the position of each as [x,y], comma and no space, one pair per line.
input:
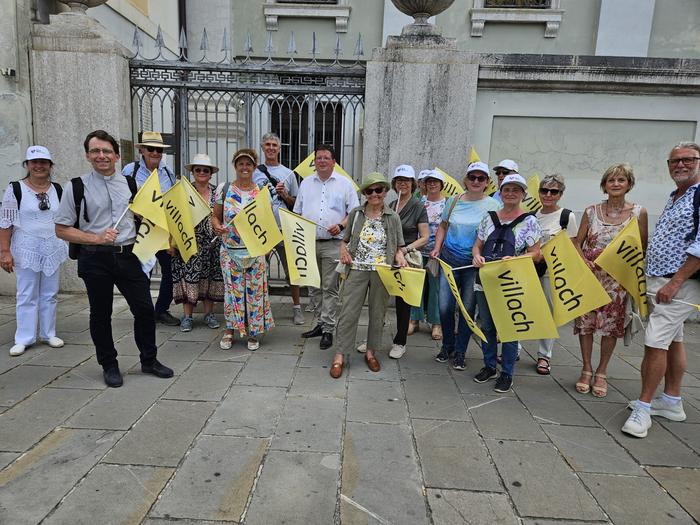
[421,10]
[79,6]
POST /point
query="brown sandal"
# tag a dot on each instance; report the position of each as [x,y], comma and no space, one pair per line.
[337,369]
[372,363]
[600,391]
[543,368]
[584,388]
[437,332]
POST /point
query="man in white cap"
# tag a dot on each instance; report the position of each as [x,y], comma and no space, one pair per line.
[151,149]
[503,168]
[283,186]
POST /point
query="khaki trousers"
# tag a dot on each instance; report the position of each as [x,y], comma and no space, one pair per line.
[352,297]
[327,255]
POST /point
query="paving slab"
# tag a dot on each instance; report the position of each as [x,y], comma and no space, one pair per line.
[178,355]
[625,499]
[295,488]
[549,403]
[263,369]
[592,450]
[376,402]
[200,333]
[456,507]
[167,521]
[163,435]
[683,485]
[214,481]
[317,382]
[24,380]
[567,376]
[422,361]
[29,421]
[464,379]
[7,457]
[284,340]
[247,411]
[434,397]
[88,375]
[660,447]
[67,356]
[358,368]
[8,362]
[204,381]
[238,353]
[310,424]
[313,357]
[503,417]
[380,476]
[689,433]
[118,493]
[453,456]
[540,483]
[28,493]
[119,408]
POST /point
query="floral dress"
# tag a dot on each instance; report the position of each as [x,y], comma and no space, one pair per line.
[608,320]
[371,248]
[246,300]
[200,278]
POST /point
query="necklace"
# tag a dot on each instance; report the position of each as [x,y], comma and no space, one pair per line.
[38,187]
[610,211]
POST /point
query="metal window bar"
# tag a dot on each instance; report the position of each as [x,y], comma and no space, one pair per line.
[519,4]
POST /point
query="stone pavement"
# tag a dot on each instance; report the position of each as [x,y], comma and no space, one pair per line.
[268,437]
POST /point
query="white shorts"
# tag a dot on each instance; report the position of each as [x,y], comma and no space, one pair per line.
[665,325]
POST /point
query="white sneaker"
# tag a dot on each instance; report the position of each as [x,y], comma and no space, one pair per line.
[638,423]
[17,350]
[362,348]
[298,316]
[397,351]
[55,342]
[662,408]
[253,344]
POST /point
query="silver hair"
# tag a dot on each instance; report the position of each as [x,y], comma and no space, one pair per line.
[271,136]
[554,178]
[686,145]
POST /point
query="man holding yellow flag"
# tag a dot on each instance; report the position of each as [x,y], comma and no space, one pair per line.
[673,260]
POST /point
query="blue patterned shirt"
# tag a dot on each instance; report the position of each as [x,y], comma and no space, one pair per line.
[669,249]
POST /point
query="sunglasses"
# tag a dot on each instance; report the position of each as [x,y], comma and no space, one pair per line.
[480,178]
[152,149]
[502,172]
[370,191]
[550,191]
[44,203]
[202,170]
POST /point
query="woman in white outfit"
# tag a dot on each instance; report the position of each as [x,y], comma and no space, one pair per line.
[30,248]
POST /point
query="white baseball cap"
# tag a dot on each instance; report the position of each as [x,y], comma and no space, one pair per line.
[508,164]
[424,174]
[515,178]
[38,152]
[478,166]
[404,170]
[434,174]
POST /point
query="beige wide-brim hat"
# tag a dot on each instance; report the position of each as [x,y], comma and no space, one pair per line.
[152,138]
[201,159]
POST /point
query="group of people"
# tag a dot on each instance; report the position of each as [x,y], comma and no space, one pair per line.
[416,228]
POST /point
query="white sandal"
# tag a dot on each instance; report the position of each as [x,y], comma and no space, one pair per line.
[226,342]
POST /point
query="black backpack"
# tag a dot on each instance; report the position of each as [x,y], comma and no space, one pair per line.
[501,241]
[79,199]
[541,266]
[17,190]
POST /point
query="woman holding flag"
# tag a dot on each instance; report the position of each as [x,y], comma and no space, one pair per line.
[599,226]
[246,297]
[373,237]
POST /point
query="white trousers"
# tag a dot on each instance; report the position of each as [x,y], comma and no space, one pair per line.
[36,303]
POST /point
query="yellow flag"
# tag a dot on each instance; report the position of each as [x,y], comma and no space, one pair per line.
[180,225]
[148,202]
[451,186]
[473,156]
[575,290]
[516,300]
[447,270]
[306,167]
[149,240]
[623,259]
[256,225]
[531,202]
[198,206]
[300,248]
[406,283]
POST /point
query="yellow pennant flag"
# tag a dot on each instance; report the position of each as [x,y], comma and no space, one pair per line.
[149,240]
[575,290]
[179,216]
[406,283]
[473,156]
[491,188]
[531,202]
[300,249]
[198,206]
[623,259]
[451,186]
[256,225]
[307,167]
[447,270]
[148,202]
[516,300]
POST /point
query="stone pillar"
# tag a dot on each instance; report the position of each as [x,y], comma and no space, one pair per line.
[419,104]
[80,82]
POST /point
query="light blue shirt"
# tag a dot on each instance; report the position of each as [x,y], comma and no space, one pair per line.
[165,176]
[461,234]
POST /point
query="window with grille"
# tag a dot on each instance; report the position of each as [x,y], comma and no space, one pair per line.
[519,4]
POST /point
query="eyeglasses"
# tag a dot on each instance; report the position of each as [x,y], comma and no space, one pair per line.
[502,172]
[202,170]
[152,149]
[401,179]
[433,181]
[44,203]
[370,191]
[687,161]
[550,191]
[103,151]
[480,178]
